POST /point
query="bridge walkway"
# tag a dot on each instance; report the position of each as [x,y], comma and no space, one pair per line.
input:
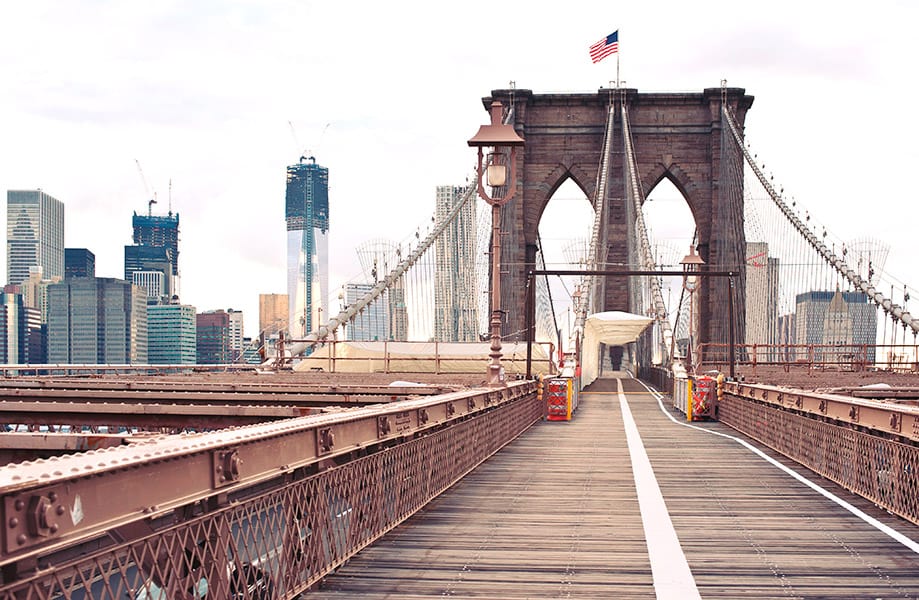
[559,514]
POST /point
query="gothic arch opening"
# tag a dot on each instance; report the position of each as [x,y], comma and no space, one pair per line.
[671,228]
[564,232]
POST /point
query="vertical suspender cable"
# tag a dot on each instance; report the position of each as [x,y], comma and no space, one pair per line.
[897,312]
[644,247]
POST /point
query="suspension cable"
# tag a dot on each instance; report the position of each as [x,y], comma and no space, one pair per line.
[589,282]
[315,337]
[660,309]
[896,312]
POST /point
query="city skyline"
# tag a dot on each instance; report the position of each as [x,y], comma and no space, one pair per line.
[206,100]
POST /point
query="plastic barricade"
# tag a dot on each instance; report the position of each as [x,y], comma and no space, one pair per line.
[559,396]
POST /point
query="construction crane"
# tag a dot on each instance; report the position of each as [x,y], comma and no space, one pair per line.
[152,200]
[308,154]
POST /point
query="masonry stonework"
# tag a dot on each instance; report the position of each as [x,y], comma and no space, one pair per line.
[676,136]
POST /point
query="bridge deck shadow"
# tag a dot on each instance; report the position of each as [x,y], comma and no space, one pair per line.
[556,514]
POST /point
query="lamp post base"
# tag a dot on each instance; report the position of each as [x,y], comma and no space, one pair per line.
[496,377]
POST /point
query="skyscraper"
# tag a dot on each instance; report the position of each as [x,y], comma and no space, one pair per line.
[762,289]
[97,321]
[840,319]
[35,291]
[307,215]
[213,337]
[154,282]
[156,248]
[172,334]
[454,274]
[372,324]
[378,258]
[79,262]
[272,314]
[21,339]
[236,334]
[34,234]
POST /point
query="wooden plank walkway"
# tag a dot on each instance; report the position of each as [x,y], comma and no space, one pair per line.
[556,514]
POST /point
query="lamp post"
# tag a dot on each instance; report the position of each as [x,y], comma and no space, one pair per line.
[503,142]
[692,264]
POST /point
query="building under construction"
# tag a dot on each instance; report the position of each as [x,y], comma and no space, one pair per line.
[155,250]
[307,216]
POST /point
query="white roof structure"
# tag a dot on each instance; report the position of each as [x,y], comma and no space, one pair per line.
[613,328]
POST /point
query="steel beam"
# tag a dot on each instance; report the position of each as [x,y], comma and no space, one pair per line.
[51,504]
[892,419]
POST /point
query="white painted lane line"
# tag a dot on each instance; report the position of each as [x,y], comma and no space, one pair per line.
[669,569]
[892,533]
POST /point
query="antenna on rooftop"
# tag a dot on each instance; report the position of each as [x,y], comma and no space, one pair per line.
[170,196]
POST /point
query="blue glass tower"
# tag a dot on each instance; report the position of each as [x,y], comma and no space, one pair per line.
[307,215]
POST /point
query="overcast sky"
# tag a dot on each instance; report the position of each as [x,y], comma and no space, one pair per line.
[219,96]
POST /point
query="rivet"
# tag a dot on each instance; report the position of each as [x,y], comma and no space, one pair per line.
[14,522]
[21,539]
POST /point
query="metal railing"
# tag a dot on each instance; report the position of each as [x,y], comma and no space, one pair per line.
[255,512]
[844,357]
[868,447]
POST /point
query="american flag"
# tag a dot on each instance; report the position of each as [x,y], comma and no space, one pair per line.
[605,47]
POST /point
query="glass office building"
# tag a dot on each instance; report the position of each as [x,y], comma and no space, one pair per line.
[171,334]
[34,234]
[372,324]
[97,321]
[836,318]
[79,262]
[213,338]
[21,333]
[307,216]
[454,276]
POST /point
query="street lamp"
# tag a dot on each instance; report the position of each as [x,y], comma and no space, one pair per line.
[692,264]
[503,141]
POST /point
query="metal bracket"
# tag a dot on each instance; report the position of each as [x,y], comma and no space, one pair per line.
[325,440]
[383,426]
[226,466]
[29,520]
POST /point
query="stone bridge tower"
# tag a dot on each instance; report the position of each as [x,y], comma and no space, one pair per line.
[677,136]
